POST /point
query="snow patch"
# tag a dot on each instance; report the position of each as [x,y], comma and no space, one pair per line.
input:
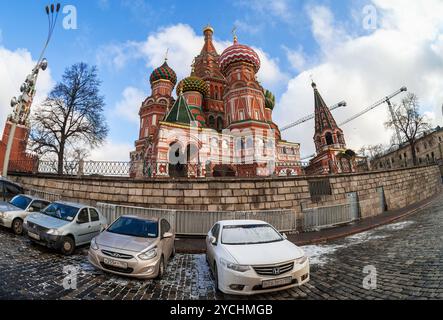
[397,226]
[317,254]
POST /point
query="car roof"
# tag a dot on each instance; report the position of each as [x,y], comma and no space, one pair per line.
[72,204]
[9,181]
[33,198]
[240,222]
[140,218]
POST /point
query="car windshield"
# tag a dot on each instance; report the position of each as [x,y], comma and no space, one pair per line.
[61,211]
[135,227]
[250,234]
[21,202]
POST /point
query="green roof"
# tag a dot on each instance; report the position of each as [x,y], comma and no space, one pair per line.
[180,112]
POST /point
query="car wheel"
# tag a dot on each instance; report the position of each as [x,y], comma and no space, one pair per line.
[161,268]
[68,246]
[173,253]
[217,288]
[17,226]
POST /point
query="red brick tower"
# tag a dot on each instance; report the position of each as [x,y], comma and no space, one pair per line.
[207,68]
[244,96]
[332,156]
[152,111]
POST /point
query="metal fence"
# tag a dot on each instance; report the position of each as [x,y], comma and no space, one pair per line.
[198,223]
[48,196]
[324,217]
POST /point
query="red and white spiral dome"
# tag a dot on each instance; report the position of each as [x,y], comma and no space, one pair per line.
[239,53]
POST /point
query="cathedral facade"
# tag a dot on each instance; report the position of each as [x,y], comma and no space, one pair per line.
[220,124]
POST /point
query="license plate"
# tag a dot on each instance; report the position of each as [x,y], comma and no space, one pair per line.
[115,263]
[34,236]
[276,282]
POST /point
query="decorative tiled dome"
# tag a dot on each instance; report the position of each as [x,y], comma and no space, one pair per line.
[164,73]
[238,52]
[193,83]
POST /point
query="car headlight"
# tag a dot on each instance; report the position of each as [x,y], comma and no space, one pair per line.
[301,260]
[148,255]
[234,266]
[53,232]
[94,245]
[2,215]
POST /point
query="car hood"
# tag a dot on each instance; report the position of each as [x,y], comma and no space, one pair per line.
[122,242]
[46,221]
[7,207]
[264,254]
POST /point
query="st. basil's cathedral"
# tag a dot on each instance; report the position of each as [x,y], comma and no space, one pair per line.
[221,123]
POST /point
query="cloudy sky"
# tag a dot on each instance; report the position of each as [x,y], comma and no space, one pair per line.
[358,51]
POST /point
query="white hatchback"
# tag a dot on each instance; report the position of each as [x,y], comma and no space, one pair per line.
[251,257]
[14,212]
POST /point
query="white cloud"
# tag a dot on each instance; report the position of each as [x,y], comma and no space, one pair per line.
[111,151]
[406,50]
[296,58]
[129,106]
[14,67]
[184,45]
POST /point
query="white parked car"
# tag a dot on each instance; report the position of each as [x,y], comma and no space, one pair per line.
[252,257]
[14,212]
[64,226]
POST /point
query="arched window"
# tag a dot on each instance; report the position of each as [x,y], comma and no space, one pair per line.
[211,122]
[329,139]
[219,123]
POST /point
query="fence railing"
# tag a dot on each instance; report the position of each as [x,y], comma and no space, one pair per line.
[325,217]
[73,168]
[198,223]
[48,196]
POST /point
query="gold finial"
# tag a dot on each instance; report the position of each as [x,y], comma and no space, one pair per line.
[166,55]
[234,34]
[314,85]
[208,28]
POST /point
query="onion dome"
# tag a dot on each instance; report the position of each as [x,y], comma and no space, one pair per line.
[193,83]
[239,53]
[164,72]
[269,100]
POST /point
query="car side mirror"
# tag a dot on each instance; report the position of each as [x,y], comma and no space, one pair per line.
[285,236]
[213,240]
[167,235]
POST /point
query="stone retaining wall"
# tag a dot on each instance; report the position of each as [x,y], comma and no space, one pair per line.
[401,188]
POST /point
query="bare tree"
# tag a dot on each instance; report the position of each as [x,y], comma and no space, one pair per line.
[71,116]
[409,122]
[372,151]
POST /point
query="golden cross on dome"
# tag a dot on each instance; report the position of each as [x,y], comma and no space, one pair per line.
[234,33]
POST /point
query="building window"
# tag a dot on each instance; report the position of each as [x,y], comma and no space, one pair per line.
[242,116]
[154,120]
[256,115]
[329,139]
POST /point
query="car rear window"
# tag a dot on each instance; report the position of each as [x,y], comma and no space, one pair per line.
[135,227]
[21,202]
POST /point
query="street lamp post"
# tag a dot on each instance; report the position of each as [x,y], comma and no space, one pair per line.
[22,104]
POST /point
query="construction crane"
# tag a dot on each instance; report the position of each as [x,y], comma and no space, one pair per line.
[310,117]
[375,105]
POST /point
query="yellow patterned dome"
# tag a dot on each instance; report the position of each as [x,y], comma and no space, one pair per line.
[193,83]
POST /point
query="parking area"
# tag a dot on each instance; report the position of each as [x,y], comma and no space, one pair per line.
[407,257]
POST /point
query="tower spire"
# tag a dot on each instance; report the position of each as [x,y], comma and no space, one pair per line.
[327,132]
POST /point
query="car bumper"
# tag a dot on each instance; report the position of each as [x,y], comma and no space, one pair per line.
[44,239]
[5,222]
[136,268]
[253,283]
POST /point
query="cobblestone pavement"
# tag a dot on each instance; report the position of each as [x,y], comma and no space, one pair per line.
[408,257]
